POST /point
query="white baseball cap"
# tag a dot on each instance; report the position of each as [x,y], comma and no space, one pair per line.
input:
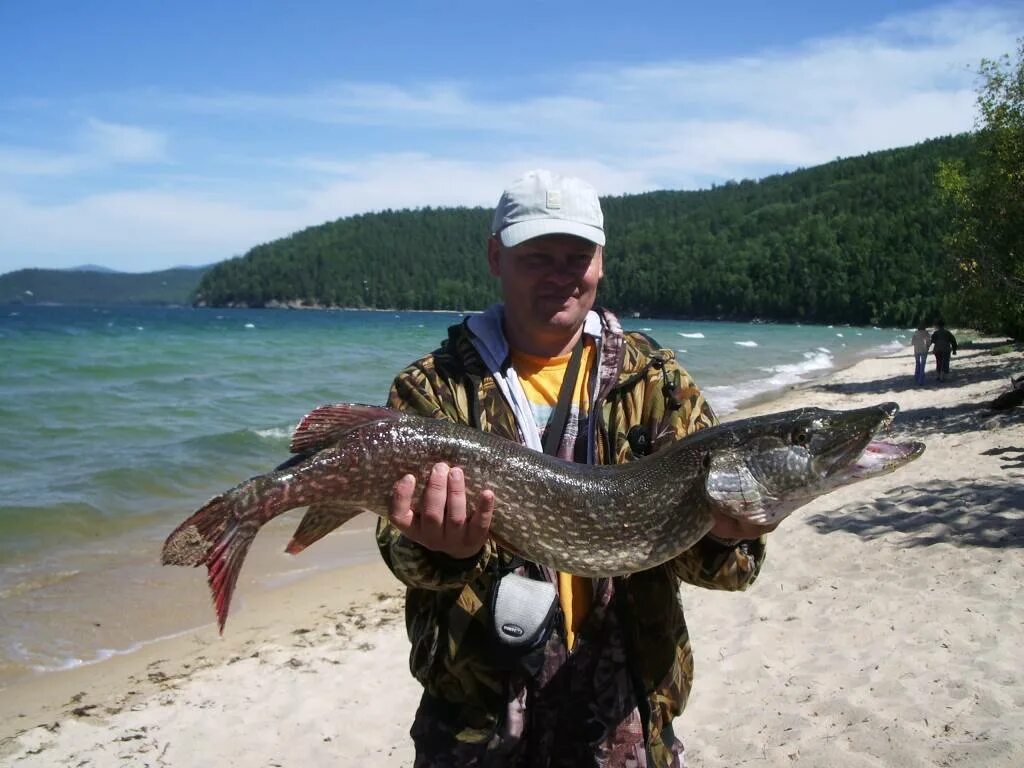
[543,203]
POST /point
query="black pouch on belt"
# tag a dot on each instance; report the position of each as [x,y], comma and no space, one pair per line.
[523,612]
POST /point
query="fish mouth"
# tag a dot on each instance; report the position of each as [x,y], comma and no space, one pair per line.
[867,455]
[880,457]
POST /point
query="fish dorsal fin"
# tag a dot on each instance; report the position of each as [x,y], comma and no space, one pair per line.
[323,426]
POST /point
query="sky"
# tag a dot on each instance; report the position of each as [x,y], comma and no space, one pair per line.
[141,136]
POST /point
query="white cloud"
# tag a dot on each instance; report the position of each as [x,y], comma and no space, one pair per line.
[118,143]
[411,181]
[666,124]
[138,231]
[134,231]
[100,145]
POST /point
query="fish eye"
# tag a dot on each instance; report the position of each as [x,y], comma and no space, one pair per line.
[800,436]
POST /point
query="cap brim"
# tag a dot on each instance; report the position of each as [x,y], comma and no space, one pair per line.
[520,232]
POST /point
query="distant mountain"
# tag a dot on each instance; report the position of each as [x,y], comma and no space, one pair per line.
[90,268]
[99,286]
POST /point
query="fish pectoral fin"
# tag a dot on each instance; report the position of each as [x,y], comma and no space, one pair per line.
[324,425]
[319,520]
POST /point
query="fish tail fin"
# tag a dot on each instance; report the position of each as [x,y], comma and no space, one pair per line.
[193,540]
[319,520]
[215,537]
[224,565]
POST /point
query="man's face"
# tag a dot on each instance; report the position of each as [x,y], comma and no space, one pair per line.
[548,285]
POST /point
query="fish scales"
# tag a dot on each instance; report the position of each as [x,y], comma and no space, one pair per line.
[587,520]
[565,520]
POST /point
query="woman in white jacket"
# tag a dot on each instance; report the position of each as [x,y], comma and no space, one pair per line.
[921,341]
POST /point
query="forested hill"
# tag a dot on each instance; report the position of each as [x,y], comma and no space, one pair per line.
[857,240]
[92,286]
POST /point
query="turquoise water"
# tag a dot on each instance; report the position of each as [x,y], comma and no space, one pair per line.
[117,423]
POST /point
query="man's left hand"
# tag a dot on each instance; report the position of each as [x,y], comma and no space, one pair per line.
[729,528]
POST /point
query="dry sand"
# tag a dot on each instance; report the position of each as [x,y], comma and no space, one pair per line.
[885,630]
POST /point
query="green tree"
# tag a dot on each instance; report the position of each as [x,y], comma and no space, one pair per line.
[987,204]
[855,240]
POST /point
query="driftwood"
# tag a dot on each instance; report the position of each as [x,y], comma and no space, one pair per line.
[1010,399]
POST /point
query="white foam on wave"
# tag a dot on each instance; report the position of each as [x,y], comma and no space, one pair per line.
[696,335]
[818,360]
[726,398]
[275,433]
[250,325]
[102,654]
[62,665]
[745,343]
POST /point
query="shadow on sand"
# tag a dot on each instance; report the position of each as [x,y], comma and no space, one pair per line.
[987,512]
[982,512]
[957,419]
[997,369]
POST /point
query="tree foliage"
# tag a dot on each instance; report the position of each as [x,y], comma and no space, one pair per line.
[986,202]
[856,240]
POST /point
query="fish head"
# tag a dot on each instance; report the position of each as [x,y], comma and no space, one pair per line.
[771,465]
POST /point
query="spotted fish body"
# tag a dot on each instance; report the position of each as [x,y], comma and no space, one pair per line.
[586,520]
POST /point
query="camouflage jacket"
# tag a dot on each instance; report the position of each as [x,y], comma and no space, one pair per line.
[609,701]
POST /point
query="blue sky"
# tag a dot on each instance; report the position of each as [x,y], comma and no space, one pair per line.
[140,136]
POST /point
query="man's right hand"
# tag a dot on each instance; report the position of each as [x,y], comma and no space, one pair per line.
[445,521]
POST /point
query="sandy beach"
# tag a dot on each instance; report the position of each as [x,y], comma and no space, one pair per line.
[885,629]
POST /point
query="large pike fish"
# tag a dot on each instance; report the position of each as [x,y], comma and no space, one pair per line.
[587,520]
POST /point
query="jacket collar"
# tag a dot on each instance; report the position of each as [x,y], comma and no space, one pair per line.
[489,334]
[488,337]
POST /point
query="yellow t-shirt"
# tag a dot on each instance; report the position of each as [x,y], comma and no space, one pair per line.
[541,378]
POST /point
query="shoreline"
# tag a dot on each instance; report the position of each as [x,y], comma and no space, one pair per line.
[804,664]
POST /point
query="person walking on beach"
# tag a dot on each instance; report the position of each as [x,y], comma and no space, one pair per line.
[609,665]
[943,344]
[921,341]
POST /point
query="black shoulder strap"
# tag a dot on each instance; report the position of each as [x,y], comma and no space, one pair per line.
[556,426]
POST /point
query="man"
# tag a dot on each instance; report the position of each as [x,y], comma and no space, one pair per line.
[615,667]
[943,345]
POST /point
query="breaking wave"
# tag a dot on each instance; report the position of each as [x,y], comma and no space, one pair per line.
[727,398]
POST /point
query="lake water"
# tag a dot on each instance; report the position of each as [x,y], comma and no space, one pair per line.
[115,424]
